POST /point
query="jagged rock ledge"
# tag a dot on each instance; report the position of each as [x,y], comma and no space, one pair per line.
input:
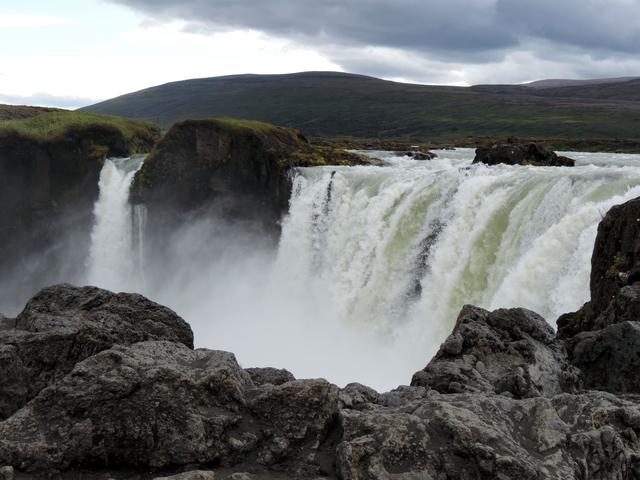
[108,385]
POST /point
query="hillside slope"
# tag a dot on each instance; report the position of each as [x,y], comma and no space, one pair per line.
[327,103]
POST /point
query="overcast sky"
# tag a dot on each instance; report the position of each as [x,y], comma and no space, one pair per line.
[71,53]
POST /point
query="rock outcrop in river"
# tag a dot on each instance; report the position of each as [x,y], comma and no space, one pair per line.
[109,384]
[521,154]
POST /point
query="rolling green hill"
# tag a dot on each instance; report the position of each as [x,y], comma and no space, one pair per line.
[331,104]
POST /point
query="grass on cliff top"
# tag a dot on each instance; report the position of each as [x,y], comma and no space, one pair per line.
[53,124]
[253,125]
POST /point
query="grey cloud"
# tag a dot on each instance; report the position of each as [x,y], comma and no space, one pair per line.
[444,25]
[447,25]
[436,41]
[611,25]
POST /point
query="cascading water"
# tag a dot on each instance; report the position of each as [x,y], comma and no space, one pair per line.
[110,256]
[373,263]
[399,249]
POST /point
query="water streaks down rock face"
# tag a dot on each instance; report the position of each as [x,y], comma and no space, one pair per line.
[504,398]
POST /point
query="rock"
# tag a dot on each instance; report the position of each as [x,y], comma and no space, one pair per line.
[6,473]
[508,351]
[242,476]
[357,396]
[418,155]
[616,256]
[501,399]
[192,475]
[273,376]
[239,167]
[62,325]
[521,154]
[609,358]
[617,249]
[159,404]
[491,436]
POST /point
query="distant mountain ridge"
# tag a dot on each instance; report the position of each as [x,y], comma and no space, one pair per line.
[334,103]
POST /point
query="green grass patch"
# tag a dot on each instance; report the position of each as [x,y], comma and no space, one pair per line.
[54,124]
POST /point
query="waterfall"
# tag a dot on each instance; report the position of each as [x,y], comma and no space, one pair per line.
[138,225]
[374,263]
[111,263]
[398,250]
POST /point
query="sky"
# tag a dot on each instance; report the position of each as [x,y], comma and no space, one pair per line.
[71,53]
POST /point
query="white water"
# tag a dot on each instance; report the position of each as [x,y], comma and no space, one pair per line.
[110,256]
[374,263]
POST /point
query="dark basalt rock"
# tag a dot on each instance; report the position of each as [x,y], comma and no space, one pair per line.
[521,154]
[511,352]
[274,376]
[614,273]
[473,436]
[159,404]
[418,155]
[609,358]
[62,325]
[240,166]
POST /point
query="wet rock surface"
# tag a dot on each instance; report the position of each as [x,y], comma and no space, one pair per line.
[504,398]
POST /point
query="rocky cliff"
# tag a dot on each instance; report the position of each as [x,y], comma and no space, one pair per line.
[240,166]
[106,385]
[48,186]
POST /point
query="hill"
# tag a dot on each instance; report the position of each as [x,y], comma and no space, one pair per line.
[18,112]
[330,104]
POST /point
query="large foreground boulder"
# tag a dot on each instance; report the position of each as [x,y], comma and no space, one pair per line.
[521,154]
[482,436]
[158,404]
[63,325]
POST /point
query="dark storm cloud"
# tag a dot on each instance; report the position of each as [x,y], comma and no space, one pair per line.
[456,25]
[592,34]
[413,24]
